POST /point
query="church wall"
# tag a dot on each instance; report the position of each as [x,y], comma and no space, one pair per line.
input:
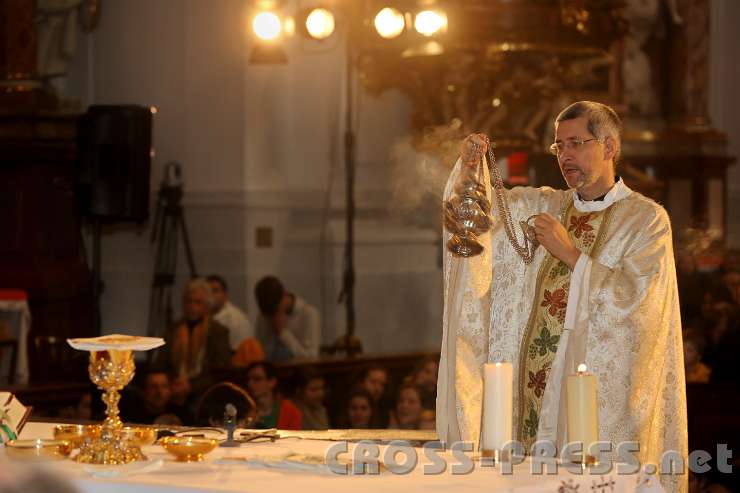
[261,147]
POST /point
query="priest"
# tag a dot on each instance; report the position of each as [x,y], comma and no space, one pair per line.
[599,289]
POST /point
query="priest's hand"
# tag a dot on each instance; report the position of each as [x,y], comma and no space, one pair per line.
[553,236]
[473,147]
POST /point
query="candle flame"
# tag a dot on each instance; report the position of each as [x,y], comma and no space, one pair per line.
[582,368]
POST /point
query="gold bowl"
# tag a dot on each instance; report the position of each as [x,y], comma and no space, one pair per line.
[39,449]
[76,434]
[188,449]
[139,435]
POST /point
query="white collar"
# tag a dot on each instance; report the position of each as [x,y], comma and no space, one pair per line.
[617,192]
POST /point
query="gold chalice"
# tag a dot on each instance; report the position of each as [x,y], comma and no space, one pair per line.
[110,371]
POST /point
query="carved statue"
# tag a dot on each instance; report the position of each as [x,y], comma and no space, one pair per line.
[642,17]
[56,24]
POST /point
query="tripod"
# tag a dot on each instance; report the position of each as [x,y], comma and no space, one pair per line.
[169,222]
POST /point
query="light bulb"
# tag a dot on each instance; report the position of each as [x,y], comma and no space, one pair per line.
[267,26]
[320,23]
[389,23]
[429,22]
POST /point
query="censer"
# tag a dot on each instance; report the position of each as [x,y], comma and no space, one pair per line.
[467,214]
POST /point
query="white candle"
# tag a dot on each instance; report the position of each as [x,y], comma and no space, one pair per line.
[498,383]
[583,417]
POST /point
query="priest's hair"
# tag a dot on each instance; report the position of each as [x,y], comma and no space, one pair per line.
[602,121]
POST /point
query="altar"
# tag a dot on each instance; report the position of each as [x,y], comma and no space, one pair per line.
[294,463]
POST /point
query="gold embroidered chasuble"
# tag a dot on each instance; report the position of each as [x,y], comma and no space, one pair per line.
[621,313]
[545,326]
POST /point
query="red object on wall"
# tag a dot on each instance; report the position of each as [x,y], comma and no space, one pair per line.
[13,295]
[518,168]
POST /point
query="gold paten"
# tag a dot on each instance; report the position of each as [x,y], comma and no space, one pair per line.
[38,450]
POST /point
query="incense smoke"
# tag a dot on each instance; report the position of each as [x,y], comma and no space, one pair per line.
[420,168]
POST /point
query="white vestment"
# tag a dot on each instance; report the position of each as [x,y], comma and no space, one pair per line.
[622,321]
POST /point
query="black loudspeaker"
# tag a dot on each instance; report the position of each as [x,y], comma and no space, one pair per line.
[114,145]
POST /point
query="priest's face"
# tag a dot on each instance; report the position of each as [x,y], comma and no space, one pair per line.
[587,164]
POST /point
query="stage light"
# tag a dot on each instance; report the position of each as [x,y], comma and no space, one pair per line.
[267,26]
[389,23]
[320,24]
[430,22]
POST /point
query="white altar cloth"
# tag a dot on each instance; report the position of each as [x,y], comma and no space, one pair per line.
[220,473]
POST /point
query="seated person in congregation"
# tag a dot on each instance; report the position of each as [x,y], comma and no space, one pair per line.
[309,399]
[228,314]
[693,347]
[358,413]
[154,404]
[374,380]
[287,327]
[272,410]
[195,345]
[409,413]
[424,377]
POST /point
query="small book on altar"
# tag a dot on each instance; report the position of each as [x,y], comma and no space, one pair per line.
[13,416]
